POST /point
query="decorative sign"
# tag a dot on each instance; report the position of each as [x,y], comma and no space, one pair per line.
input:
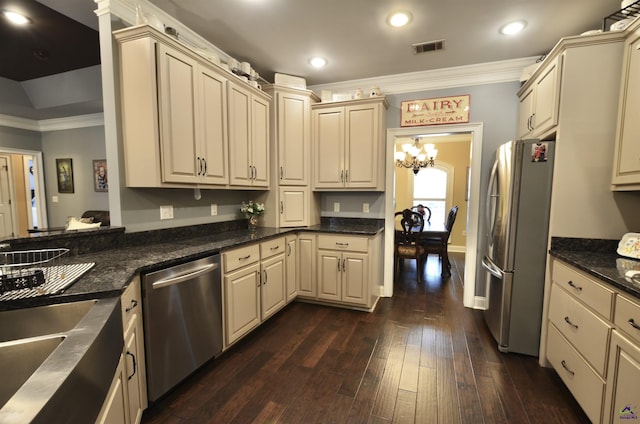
[436,111]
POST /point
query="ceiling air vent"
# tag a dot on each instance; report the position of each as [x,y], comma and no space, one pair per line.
[429,46]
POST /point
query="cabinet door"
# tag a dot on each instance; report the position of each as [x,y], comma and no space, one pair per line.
[329,275]
[294,205]
[135,369]
[623,384]
[525,112]
[292,268]
[627,154]
[355,280]
[329,148]
[307,286]
[114,409]
[361,150]
[177,98]
[293,139]
[212,155]
[242,301]
[547,98]
[239,113]
[260,141]
[273,285]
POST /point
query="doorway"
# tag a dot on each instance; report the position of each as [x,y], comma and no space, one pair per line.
[474,130]
[22,185]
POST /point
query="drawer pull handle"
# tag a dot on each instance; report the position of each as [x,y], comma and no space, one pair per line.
[633,324]
[275,247]
[244,258]
[134,303]
[568,321]
[342,244]
[574,286]
[564,365]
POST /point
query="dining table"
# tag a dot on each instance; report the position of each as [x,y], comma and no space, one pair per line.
[431,231]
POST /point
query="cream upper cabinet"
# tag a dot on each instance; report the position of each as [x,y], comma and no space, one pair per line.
[294,206]
[248,137]
[174,113]
[540,102]
[626,163]
[349,139]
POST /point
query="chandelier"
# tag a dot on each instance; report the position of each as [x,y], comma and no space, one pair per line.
[416,155]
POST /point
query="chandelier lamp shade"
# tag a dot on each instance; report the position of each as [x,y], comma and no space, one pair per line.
[416,156]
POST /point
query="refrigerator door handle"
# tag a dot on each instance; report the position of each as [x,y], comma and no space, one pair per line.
[493,269]
[491,198]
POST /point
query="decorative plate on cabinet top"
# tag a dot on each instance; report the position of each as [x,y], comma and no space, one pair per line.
[629,246]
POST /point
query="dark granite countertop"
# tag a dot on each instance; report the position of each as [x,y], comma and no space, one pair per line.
[116,267]
[599,259]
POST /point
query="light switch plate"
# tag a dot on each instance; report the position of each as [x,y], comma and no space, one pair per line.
[54,199]
[214,209]
[365,207]
[336,207]
[166,212]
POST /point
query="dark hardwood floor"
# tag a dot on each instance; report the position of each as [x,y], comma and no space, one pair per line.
[420,357]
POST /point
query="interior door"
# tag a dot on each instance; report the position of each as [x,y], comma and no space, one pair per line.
[6,212]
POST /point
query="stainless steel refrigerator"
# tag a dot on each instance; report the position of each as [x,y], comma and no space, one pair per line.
[517,220]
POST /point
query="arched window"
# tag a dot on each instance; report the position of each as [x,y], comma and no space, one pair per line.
[433,187]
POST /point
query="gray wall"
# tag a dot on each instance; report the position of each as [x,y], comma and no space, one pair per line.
[16,138]
[82,145]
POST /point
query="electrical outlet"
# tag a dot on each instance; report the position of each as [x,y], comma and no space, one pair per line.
[365,207]
[214,209]
[54,199]
[166,212]
[336,207]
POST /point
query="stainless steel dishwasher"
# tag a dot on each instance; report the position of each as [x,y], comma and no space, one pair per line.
[182,308]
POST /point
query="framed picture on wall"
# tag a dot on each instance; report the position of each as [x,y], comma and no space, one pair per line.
[64,169]
[100,181]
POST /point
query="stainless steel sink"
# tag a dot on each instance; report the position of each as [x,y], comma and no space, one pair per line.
[57,362]
[42,320]
[20,359]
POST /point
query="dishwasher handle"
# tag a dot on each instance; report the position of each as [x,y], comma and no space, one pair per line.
[185,277]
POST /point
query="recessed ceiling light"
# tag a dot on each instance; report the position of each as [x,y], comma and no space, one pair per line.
[318,62]
[15,17]
[513,27]
[399,19]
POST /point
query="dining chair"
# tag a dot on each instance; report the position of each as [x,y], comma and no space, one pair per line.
[424,211]
[407,240]
[440,245]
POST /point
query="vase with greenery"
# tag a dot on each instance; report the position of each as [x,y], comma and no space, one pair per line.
[252,211]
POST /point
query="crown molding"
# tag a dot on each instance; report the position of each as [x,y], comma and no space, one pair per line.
[81,121]
[461,76]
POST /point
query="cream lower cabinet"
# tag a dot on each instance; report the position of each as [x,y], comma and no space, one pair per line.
[623,385]
[254,286]
[293,264]
[347,270]
[127,397]
[593,342]
[626,162]
[306,285]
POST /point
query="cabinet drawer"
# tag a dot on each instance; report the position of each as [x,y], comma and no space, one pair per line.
[583,382]
[352,244]
[237,258]
[627,317]
[594,294]
[272,247]
[588,333]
